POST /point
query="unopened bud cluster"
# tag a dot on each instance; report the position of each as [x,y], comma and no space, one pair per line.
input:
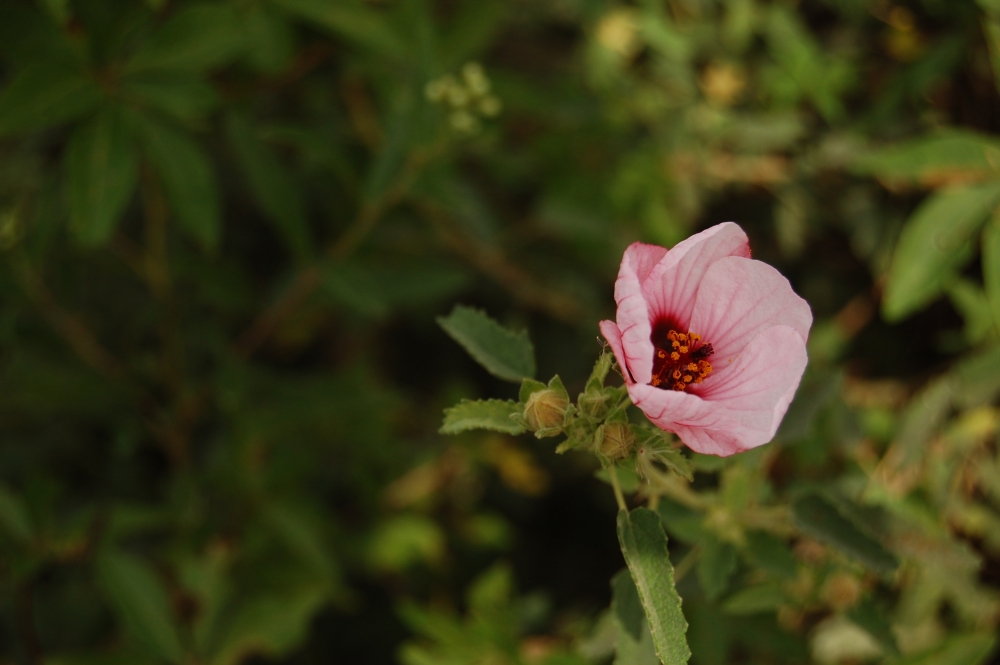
[467,96]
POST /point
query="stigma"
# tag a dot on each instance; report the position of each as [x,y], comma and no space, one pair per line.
[681,360]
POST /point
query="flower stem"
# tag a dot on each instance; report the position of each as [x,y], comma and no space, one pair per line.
[619,497]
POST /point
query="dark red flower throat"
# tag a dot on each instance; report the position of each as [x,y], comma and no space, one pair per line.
[679,358]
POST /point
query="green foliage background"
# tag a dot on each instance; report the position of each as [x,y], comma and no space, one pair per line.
[228,228]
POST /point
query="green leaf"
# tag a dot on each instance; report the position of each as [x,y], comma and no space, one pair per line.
[600,372]
[504,353]
[818,517]
[644,545]
[187,177]
[14,517]
[195,38]
[304,538]
[874,619]
[933,159]
[183,95]
[634,644]
[102,167]
[716,566]
[934,245]
[770,554]
[970,649]
[755,600]
[272,185]
[492,414]
[529,386]
[141,603]
[270,626]
[46,94]
[991,264]
[355,22]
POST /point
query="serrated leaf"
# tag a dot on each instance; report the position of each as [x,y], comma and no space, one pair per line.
[948,156]
[502,352]
[818,517]
[716,566]
[934,245]
[141,603]
[356,22]
[271,184]
[197,37]
[991,264]
[188,179]
[102,165]
[644,545]
[46,94]
[493,414]
[634,644]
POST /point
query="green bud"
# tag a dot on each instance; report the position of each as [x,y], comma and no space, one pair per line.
[593,403]
[616,440]
[546,409]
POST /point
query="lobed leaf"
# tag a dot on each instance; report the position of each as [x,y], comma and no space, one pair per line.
[644,545]
[505,354]
[492,414]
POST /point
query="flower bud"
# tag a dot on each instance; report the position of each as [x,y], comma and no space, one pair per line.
[616,440]
[546,409]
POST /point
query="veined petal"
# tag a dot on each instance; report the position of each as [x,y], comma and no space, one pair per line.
[737,299]
[671,288]
[614,336]
[674,411]
[633,314]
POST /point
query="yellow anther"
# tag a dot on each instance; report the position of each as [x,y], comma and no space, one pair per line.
[679,386]
[675,356]
[692,367]
[687,378]
[682,337]
[683,349]
[661,354]
[677,374]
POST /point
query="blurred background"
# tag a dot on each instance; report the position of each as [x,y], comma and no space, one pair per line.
[227,228]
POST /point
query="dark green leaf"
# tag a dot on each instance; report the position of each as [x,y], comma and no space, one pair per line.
[644,545]
[271,184]
[492,414]
[197,37]
[102,169]
[970,649]
[141,603]
[269,626]
[716,566]
[875,621]
[14,517]
[504,353]
[771,554]
[353,21]
[934,244]
[634,645]
[185,96]
[818,517]
[187,177]
[45,94]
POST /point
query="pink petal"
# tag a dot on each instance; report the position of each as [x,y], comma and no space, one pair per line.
[633,315]
[671,288]
[614,336]
[740,410]
[737,299]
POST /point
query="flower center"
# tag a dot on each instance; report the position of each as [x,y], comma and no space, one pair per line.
[680,360]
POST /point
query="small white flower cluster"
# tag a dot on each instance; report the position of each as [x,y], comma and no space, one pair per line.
[466,96]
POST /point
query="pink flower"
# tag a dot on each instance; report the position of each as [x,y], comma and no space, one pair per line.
[712,344]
